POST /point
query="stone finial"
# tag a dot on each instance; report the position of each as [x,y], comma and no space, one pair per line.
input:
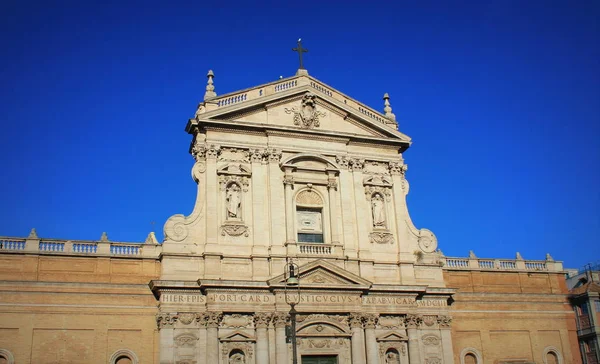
[519,257]
[33,234]
[549,257]
[387,108]
[151,239]
[104,237]
[472,254]
[210,88]
[440,252]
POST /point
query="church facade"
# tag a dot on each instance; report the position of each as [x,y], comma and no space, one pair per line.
[289,171]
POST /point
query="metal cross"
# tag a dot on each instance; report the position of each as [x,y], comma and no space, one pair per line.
[300,50]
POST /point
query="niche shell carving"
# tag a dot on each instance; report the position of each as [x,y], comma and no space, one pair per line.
[307,116]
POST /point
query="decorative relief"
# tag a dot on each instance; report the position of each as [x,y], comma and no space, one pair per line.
[444,321]
[323,343]
[166,320]
[187,318]
[381,237]
[236,321]
[185,341]
[233,229]
[307,116]
[323,317]
[389,322]
[429,320]
[262,319]
[398,168]
[309,197]
[433,360]
[372,167]
[430,340]
[413,321]
[234,155]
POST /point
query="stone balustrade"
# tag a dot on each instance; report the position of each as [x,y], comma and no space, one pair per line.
[78,247]
[315,249]
[291,83]
[474,263]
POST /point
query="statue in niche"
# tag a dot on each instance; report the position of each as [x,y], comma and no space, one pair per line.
[377,206]
[233,201]
[237,358]
[392,357]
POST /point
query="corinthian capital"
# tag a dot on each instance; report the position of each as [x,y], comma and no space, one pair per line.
[397,168]
[166,320]
[274,155]
[444,321]
[413,321]
[262,319]
[213,318]
[356,320]
[280,319]
[370,320]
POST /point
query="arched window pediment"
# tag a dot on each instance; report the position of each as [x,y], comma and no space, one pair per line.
[309,161]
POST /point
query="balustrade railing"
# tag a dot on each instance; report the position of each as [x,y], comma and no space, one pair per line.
[77,247]
[315,249]
[12,244]
[474,263]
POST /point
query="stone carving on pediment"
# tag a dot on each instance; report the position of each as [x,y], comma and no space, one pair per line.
[187,318]
[213,318]
[389,322]
[237,321]
[262,319]
[429,320]
[381,237]
[427,241]
[307,116]
[377,168]
[166,320]
[342,161]
[444,321]
[430,340]
[321,277]
[185,341]
[413,321]
[234,155]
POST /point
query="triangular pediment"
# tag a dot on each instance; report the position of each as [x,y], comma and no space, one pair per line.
[322,274]
[304,104]
[392,336]
[237,336]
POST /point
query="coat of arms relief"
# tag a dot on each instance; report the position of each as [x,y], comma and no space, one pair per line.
[307,116]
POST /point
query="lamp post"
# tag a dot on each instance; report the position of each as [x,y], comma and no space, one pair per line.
[292,298]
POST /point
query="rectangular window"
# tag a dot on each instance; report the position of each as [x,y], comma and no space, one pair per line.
[310,225]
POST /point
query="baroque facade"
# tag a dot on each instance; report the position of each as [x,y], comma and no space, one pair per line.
[292,169]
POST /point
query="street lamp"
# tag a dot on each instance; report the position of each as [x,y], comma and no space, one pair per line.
[292,298]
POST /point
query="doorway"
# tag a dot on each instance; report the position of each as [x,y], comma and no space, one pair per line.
[319,359]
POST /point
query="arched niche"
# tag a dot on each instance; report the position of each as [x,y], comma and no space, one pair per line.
[124,356]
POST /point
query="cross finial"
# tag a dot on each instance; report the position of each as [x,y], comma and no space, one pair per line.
[210,88]
[387,108]
[300,50]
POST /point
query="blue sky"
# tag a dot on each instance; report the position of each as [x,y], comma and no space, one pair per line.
[501,98]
